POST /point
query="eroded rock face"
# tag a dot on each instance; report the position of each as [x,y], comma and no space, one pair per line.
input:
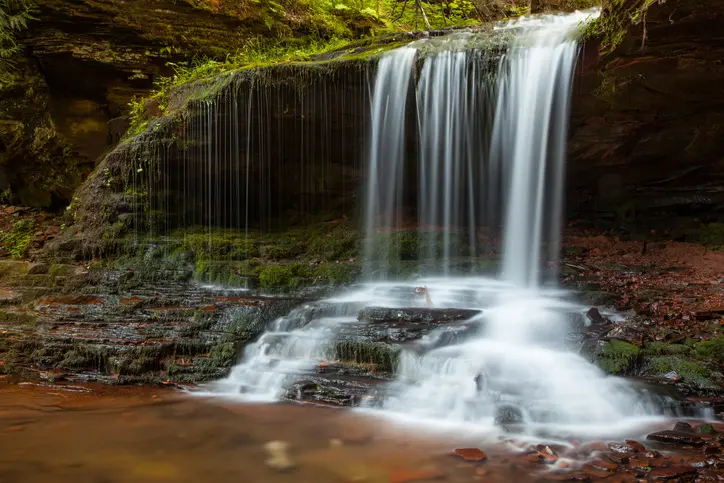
[38,166]
[647,123]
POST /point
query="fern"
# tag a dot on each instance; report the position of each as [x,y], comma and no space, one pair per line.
[15,15]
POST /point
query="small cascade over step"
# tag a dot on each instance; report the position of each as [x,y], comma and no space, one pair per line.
[479,120]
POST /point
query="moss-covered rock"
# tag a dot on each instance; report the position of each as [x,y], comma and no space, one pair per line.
[382,357]
[689,371]
[617,357]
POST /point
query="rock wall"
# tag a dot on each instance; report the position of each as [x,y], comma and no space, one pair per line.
[84,61]
[647,133]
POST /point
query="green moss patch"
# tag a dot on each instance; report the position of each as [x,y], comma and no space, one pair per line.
[617,357]
[661,348]
[17,241]
[711,350]
[383,357]
[688,370]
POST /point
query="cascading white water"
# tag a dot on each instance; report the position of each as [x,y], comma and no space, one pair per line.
[534,82]
[387,145]
[516,373]
[491,123]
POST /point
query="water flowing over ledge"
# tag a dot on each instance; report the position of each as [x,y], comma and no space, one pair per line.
[485,141]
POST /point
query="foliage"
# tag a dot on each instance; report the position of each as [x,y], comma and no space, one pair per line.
[14,18]
[617,16]
[334,24]
[17,241]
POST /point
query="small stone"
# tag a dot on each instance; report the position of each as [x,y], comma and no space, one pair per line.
[335,443]
[676,437]
[618,458]
[595,316]
[683,427]
[278,455]
[671,473]
[652,453]
[471,454]
[636,446]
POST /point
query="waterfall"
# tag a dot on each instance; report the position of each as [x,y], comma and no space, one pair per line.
[479,121]
[516,372]
[386,174]
[530,135]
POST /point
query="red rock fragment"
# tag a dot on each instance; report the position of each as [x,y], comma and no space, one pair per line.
[677,438]
[131,300]
[415,474]
[618,458]
[470,454]
[671,473]
[640,464]
[547,458]
[636,446]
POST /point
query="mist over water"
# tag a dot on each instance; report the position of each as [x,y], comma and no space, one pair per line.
[488,114]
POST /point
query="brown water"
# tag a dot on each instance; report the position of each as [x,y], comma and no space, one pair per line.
[106,435]
[102,434]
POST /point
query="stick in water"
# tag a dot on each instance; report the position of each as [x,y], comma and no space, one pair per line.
[424,291]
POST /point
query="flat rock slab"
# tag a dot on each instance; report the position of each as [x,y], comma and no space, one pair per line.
[416,315]
[676,437]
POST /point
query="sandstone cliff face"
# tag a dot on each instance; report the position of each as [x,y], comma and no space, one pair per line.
[647,133]
[86,60]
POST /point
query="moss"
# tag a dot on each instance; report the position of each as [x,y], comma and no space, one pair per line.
[617,357]
[711,350]
[219,245]
[290,276]
[612,26]
[661,348]
[688,370]
[383,357]
[85,357]
[17,241]
[335,245]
